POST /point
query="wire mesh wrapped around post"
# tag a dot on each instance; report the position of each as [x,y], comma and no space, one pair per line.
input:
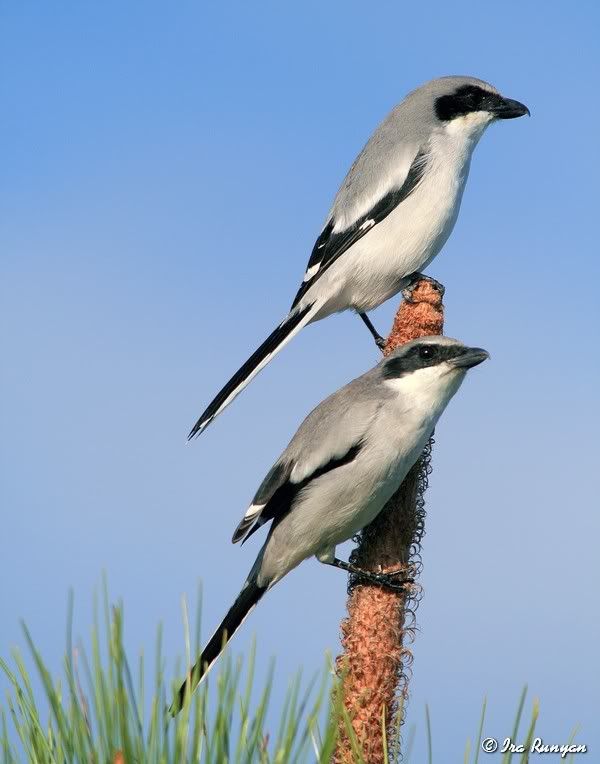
[376,658]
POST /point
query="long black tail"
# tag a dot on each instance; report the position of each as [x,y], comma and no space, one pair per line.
[246,601]
[257,361]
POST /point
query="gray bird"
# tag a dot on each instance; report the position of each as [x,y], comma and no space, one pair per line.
[345,461]
[392,215]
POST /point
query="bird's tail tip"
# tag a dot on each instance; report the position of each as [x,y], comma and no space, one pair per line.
[257,361]
[198,429]
[244,604]
[184,693]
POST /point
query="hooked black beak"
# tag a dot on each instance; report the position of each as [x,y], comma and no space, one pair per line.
[469,357]
[508,108]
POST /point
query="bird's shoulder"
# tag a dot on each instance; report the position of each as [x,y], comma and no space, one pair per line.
[336,425]
[381,166]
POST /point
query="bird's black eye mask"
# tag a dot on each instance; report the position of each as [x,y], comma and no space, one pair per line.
[420,357]
[465,100]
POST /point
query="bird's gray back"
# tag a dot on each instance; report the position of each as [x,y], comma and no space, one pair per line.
[337,423]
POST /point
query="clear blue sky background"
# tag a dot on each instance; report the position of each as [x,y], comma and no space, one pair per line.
[165,171]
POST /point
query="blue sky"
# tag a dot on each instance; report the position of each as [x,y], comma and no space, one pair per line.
[165,171]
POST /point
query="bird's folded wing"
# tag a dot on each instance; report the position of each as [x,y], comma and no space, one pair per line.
[282,497]
[358,208]
[331,436]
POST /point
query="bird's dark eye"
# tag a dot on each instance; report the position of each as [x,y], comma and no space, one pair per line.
[427,352]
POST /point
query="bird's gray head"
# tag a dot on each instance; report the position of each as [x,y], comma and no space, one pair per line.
[430,361]
[464,104]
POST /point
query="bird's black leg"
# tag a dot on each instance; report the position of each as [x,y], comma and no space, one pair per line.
[389,580]
[413,280]
[379,341]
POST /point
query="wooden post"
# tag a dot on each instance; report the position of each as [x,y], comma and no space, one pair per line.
[375,634]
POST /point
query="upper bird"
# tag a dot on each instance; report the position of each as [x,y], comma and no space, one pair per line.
[392,215]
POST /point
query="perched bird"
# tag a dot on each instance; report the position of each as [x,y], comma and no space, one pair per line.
[345,461]
[392,215]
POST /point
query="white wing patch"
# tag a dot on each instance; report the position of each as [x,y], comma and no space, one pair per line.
[311,272]
[314,269]
[253,510]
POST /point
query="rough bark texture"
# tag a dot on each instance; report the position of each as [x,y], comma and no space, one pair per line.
[379,625]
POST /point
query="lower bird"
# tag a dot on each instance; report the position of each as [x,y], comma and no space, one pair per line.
[391,216]
[345,461]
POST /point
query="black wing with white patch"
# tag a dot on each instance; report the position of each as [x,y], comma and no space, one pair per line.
[277,492]
[278,476]
[330,246]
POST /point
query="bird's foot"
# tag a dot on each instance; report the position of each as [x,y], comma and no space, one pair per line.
[414,279]
[396,580]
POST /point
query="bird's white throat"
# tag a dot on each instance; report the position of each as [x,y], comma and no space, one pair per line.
[469,128]
[427,390]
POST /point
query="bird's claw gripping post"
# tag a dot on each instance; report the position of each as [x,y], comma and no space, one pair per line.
[414,279]
[380,579]
[386,580]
